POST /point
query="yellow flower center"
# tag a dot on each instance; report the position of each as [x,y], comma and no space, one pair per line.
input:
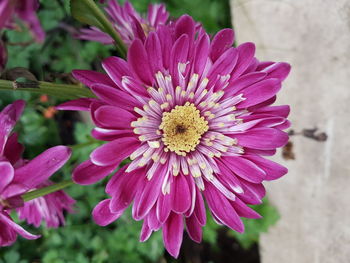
[183,128]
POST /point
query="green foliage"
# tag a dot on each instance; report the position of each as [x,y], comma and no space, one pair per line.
[253,227]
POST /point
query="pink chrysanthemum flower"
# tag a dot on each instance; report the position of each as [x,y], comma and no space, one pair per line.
[128,23]
[24,10]
[195,117]
[19,176]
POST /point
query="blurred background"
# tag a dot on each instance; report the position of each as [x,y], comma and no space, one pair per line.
[307,216]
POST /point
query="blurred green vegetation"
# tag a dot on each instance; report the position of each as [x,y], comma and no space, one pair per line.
[81,240]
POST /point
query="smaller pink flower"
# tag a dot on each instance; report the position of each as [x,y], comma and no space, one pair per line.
[19,176]
[48,208]
[24,10]
[128,23]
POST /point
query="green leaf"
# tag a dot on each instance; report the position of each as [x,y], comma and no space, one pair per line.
[83,13]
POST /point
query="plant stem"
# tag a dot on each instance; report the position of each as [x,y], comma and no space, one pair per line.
[108,27]
[46,190]
[58,90]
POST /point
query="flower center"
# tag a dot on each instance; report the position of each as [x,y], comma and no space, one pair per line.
[183,128]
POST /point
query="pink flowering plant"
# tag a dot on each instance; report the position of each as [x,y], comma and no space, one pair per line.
[183,124]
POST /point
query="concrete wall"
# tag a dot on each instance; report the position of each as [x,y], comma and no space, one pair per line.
[314,198]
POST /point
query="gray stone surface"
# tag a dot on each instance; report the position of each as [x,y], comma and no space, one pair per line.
[313,199]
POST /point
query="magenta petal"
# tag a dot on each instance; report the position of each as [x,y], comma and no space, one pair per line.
[8,118]
[89,77]
[102,215]
[194,229]
[112,153]
[163,207]
[199,209]
[181,196]
[114,96]
[42,167]
[221,42]
[273,170]
[279,70]
[224,64]
[201,55]
[243,210]
[220,206]
[110,135]
[146,232]
[260,92]
[243,82]
[185,26]
[173,233]
[138,60]
[13,149]
[146,197]
[154,52]
[114,117]
[246,53]
[7,172]
[282,110]
[262,138]
[252,193]
[16,227]
[122,187]
[88,173]
[245,169]
[82,104]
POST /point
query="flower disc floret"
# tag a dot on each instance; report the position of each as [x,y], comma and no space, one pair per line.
[183,128]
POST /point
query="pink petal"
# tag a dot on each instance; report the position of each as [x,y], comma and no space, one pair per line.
[110,135]
[221,42]
[201,54]
[102,215]
[245,169]
[116,68]
[220,206]
[243,82]
[224,64]
[114,97]
[181,196]
[154,52]
[112,153]
[139,62]
[7,220]
[82,104]
[185,26]
[246,53]
[282,111]
[146,232]
[260,92]
[194,229]
[122,187]
[8,118]
[7,172]
[89,77]
[13,149]
[273,170]
[146,197]
[262,138]
[243,210]
[42,167]
[199,209]
[114,117]
[252,193]
[88,173]
[279,70]
[163,207]
[173,233]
